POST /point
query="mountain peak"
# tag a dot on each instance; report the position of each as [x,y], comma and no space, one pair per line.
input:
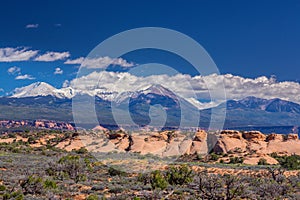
[269,105]
[34,89]
[159,90]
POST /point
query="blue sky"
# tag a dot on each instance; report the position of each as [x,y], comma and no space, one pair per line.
[245,38]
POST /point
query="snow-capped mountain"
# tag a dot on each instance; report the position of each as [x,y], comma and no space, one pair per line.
[36,89]
[45,89]
[156,89]
[41,100]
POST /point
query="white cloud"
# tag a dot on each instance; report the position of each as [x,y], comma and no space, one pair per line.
[14,70]
[188,87]
[100,63]
[9,54]
[58,71]
[66,83]
[52,56]
[1,90]
[25,76]
[32,26]
[75,61]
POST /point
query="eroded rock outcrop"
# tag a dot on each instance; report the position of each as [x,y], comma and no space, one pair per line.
[254,136]
[251,145]
[274,137]
[292,136]
[230,141]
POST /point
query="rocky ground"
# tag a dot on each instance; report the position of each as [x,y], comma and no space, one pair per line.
[251,146]
[117,165]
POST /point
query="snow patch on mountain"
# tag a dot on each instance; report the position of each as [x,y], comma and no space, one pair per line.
[35,89]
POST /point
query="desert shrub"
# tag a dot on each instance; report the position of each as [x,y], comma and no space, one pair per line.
[31,140]
[274,155]
[236,160]
[158,180]
[262,161]
[98,187]
[12,135]
[50,184]
[277,174]
[116,172]
[213,156]
[32,185]
[74,166]
[13,195]
[69,166]
[82,150]
[212,186]
[2,188]
[265,188]
[237,150]
[289,162]
[116,190]
[144,178]
[179,175]
[92,197]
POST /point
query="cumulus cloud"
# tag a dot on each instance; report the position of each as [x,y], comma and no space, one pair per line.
[32,26]
[14,70]
[58,71]
[24,77]
[66,83]
[100,63]
[75,61]
[52,56]
[9,54]
[193,89]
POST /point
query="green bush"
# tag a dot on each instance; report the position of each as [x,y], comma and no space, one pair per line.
[236,160]
[32,185]
[116,172]
[31,140]
[50,184]
[179,175]
[289,162]
[214,156]
[82,150]
[116,190]
[158,180]
[2,188]
[69,166]
[262,161]
[92,197]
[14,195]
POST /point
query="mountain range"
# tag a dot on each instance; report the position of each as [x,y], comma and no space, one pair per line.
[43,101]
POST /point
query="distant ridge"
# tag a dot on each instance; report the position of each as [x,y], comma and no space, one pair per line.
[43,101]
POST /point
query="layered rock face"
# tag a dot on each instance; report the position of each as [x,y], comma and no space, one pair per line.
[37,124]
[251,145]
[167,143]
[231,141]
[254,145]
